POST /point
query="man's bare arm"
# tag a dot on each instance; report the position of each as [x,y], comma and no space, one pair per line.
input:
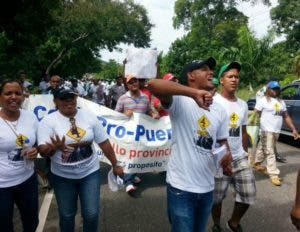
[164,90]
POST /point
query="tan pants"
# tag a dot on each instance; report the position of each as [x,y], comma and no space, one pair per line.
[266,151]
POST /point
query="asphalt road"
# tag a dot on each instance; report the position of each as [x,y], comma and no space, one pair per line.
[146,211]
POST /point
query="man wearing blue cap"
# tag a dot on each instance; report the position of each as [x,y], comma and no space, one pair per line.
[242,178]
[195,132]
[272,111]
[259,94]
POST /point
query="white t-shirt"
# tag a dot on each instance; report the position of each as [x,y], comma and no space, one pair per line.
[194,134]
[14,169]
[81,90]
[237,113]
[271,114]
[82,162]
[26,84]
[43,85]
[93,92]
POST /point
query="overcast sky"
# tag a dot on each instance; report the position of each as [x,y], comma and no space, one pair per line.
[163,34]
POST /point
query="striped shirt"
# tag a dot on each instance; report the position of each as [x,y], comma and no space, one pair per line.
[140,104]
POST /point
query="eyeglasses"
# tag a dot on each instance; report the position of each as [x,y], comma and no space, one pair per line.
[73,128]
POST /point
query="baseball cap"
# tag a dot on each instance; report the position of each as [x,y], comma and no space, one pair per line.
[273,85]
[168,76]
[215,80]
[229,66]
[129,77]
[196,64]
[63,93]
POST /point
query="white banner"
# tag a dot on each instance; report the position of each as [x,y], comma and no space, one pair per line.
[142,143]
[141,63]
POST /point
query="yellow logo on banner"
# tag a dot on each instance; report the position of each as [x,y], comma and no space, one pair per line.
[76,136]
[20,141]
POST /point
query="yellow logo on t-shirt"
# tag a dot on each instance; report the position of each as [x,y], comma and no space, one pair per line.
[276,107]
[77,134]
[21,139]
[203,123]
[234,117]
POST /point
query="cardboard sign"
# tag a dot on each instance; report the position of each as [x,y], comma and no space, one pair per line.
[141,63]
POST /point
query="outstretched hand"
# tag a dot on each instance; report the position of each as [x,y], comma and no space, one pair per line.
[203,98]
[56,144]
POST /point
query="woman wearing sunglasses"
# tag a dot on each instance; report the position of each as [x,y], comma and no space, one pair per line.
[66,136]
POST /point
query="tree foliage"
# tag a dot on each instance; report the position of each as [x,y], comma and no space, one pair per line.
[217,28]
[252,53]
[110,70]
[286,19]
[211,25]
[66,37]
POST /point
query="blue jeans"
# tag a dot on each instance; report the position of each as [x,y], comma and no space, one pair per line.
[25,195]
[67,192]
[188,212]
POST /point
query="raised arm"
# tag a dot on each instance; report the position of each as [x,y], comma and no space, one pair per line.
[164,90]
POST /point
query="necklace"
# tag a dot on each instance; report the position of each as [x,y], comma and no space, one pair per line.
[12,125]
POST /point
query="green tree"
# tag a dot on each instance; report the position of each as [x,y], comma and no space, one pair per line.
[66,37]
[177,56]
[110,70]
[286,19]
[211,26]
[217,28]
[252,53]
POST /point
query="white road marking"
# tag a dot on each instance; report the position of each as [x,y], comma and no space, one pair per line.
[44,210]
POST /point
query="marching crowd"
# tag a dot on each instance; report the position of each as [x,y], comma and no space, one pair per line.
[205,124]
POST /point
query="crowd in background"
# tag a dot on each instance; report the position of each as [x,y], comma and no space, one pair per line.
[103,92]
[65,137]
